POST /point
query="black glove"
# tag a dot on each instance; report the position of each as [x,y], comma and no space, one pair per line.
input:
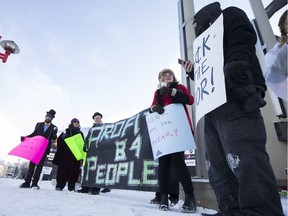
[22,138]
[165,90]
[181,97]
[172,84]
[237,71]
[253,103]
[240,84]
[239,81]
[157,108]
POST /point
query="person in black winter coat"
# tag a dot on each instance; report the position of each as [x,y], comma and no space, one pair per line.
[239,169]
[97,117]
[49,131]
[68,166]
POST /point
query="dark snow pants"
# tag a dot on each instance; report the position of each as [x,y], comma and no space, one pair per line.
[239,169]
[180,168]
[35,172]
[173,185]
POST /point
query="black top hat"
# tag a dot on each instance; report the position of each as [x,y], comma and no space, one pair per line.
[51,113]
[97,114]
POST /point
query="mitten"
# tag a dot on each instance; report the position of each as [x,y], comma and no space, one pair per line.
[157,108]
[181,97]
[237,71]
[172,84]
[165,90]
[253,103]
[239,81]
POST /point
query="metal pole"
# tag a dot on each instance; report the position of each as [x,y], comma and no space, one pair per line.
[274,6]
[264,26]
[187,36]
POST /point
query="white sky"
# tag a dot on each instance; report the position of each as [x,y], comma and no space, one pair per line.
[79,57]
[47,202]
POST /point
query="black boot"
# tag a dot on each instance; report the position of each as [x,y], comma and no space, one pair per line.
[156,199]
[25,185]
[189,205]
[174,198]
[83,190]
[216,214]
[105,190]
[164,205]
[94,191]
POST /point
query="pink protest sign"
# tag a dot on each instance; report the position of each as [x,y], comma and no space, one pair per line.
[31,149]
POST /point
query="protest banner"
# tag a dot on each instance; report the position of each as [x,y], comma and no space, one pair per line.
[31,148]
[170,132]
[76,143]
[209,77]
[120,156]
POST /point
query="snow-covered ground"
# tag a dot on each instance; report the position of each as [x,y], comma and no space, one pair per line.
[48,202]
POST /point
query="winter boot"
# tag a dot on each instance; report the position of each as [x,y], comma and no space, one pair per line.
[156,200]
[35,187]
[105,190]
[174,198]
[164,205]
[94,191]
[83,190]
[216,214]
[25,185]
[71,186]
[189,205]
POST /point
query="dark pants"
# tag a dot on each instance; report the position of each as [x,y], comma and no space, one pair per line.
[34,173]
[239,168]
[173,185]
[180,168]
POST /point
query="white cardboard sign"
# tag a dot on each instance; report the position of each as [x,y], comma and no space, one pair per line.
[209,77]
[169,132]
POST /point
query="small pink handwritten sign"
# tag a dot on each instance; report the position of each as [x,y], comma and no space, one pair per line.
[31,149]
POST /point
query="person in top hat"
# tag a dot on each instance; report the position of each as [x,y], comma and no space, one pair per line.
[49,131]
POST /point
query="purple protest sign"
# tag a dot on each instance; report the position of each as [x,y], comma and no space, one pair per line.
[31,149]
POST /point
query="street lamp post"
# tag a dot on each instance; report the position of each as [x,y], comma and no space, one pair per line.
[9,47]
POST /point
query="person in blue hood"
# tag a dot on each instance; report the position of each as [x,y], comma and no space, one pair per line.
[239,169]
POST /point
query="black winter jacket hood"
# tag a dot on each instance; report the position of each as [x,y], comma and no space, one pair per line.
[204,18]
[239,37]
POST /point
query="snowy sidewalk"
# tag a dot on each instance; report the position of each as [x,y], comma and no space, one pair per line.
[48,202]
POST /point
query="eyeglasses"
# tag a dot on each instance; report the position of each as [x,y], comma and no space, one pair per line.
[167,74]
[76,122]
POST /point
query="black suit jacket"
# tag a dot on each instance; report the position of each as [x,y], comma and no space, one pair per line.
[50,134]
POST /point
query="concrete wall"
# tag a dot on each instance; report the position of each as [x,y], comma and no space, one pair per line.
[277,150]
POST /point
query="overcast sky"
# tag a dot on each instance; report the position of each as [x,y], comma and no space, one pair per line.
[79,57]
